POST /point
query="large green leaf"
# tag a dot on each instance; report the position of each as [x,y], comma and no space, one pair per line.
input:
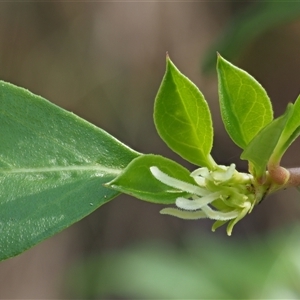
[53,166]
[245,105]
[138,181]
[182,118]
[260,149]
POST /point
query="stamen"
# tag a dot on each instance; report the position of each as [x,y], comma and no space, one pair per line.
[218,215]
[199,180]
[224,176]
[204,172]
[243,177]
[197,203]
[176,183]
[230,171]
[240,216]
[195,215]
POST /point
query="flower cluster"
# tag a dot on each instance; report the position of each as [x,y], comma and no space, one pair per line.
[224,195]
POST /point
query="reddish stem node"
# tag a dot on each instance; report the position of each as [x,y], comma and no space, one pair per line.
[278,174]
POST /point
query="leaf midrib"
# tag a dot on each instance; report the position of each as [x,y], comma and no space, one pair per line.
[103,169]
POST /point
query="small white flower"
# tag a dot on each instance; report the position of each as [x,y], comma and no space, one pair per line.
[222,194]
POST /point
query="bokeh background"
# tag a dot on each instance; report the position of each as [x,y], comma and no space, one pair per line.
[104,61]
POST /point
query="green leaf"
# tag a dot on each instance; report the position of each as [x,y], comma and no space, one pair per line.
[245,27]
[53,165]
[260,149]
[290,132]
[182,118]
[245,105]
[138,181]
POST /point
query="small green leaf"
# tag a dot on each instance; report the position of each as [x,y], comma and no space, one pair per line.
[245,105]
[182,118]
[290,132]
[53,165]
[260,149]
[138,181]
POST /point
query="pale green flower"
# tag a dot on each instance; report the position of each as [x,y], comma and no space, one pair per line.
[223,194]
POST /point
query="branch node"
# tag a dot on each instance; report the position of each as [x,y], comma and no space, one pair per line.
[278,174]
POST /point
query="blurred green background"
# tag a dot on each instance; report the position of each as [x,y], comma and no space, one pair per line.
[104,61]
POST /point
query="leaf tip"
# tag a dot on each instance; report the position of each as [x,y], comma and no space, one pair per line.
[168,59]
[219,58]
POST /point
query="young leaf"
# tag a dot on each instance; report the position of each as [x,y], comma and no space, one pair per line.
[290,132]
[138,181]
[245,105]
[260,149]
[53,165]
[182,118]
